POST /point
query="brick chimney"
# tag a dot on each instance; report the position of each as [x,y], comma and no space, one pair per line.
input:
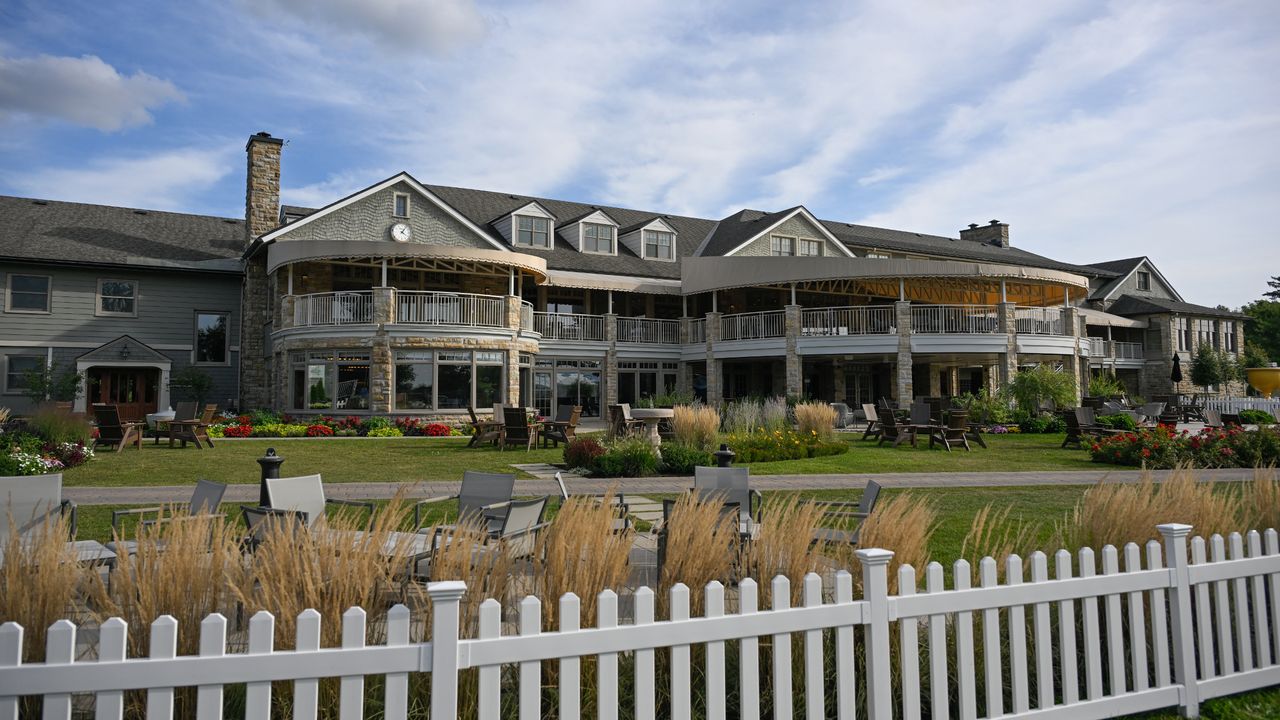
[993,233]
[262,185]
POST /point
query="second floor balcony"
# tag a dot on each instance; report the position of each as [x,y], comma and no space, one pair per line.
[408,307]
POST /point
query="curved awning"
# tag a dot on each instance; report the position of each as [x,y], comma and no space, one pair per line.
[935,281]
[283,253]
[624,283]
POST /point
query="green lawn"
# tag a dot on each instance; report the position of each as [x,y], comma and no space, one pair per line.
[415,459]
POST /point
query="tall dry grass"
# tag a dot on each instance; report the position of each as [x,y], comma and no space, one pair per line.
[1262,500]
[39,581]
[487,570]
[992,535]
[696,426]
[817,418]
[701,543]
[580,553]
[773,414]
[904,524]
[742,416]
[1112,513]
[785,546]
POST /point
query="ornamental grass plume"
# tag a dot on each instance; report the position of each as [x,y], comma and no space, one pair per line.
[1262,500]
[701,541]
[785,546]
[695,426]
[582,553]
[742,416]
[816,418]
[903,523]
[39,580]
[773,414]
[992,535]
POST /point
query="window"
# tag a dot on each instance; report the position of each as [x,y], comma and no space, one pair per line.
[211,338]
[875,255]
[533,231]
[15,369]
[415,380]
[811,248]
[597,238]
[400,205]
[1144,281]
[336,379]
[117,297]
[658,245]
[1204,332]
[779,245]
[1182,334]
[1229,331]
[28,293]
[449,379]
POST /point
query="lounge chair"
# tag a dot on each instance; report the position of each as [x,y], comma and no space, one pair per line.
[954,432]
[564,428]
[516,537]
[192,428]
[482,494]
[895,432]
[1082,423]
[516,429]
[874,428]
[846,512]
[621,422]
[29,503]
[1151,411]
[734,484]
[922,416]
[1212,419]
[483,430]
[205,498]
[111,431]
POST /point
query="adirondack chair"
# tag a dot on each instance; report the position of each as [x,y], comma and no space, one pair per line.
[564,428]
[112,431]
[483,430]
[30,503]
[487,495]
[895,432]
[874,428]
[192,427]
[846,512]
[516,429]
[621,422]
[954,432]
[205,499]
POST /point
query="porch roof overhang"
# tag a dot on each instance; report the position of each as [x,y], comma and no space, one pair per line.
[280,254]
[624,283]
[936,281]
[1106,319]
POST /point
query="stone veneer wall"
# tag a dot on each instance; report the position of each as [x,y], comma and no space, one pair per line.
[262,213]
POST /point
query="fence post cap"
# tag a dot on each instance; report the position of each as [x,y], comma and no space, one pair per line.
[874,556]
[446,590]
[1174,529]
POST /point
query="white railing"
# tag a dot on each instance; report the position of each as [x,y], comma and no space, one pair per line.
[698,330]
[1153,630]
[1126,350]
[1097,347]
[333,308]
[1038,321]
[648,330]
[954,319]
[445,308]
[526,315]
[753,326]
[568,326]
[869,320]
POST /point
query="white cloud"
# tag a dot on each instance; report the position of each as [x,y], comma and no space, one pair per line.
[166,180]
[84,90]
[881,174]
[400,27]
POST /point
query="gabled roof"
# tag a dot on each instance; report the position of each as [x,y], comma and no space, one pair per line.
[1132,305]
[137,350]
[584,216]
[66,232]
[643,224]
[524,208]
[1123,270]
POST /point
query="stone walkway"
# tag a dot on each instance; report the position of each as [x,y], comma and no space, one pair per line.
[543,484]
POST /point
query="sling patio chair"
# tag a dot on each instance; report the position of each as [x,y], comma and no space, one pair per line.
[895,432]
[304,495]
[954,431]
[486,495]
[874,428]
[29,504]
[847,514]
[205,499]
[733,484]
[844,415]
[1150,412]
[622,513]
[111,431]
[516,537]
[1212,419]
[516,429]
[564,428]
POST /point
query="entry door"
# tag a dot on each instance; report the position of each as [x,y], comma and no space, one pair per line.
[133,390]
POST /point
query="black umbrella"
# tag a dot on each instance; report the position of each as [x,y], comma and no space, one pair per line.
[1176,374]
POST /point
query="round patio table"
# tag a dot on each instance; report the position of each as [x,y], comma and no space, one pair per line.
[651,418]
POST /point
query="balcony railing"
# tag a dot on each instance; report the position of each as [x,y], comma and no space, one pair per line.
[648,330]
[1127,351]
[870,320]
[1038,321]
[333,308]
[954,319]
[444,308]
[1097,347]
[698,330]
[753,326]
[567,326]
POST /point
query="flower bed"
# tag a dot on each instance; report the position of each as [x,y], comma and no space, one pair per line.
[27,454]
[766,446]
[1163,447]
[269,425]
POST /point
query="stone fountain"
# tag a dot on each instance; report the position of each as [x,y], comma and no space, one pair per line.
[1265,380]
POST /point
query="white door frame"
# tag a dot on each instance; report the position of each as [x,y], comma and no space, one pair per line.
[162,392]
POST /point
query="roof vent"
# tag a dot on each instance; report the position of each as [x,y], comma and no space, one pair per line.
[139,212]
[39,202]
[973,226]
[229,221]
[514,197]
[993,222]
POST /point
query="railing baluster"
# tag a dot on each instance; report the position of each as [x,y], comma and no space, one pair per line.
[1067,633]
[1262,632]
[1092,631]
[1222,612]
[1114,625]
[1240,594]
[1159,619]
[1042,628]
[1017,640]
[1204,623]
[1137,623]
[992,663]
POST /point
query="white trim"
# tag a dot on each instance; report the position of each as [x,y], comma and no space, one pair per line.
[162,389]
[374,189]
[8,294]
[90,345]
[195,338]
[1117,284]
[530,207]
[4,381]
[408,205]
[582,236]
[826,234]
[97,298]
[515,233]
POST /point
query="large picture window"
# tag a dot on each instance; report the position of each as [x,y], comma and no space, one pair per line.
[28,293]
[118,297]
[211,338]
[449,379]
[337,379]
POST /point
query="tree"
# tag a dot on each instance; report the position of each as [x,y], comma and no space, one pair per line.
[196,382]
[1208,368]
[1264,326]
[1254,356]
[1043,382]
[1274,284]
[47,383]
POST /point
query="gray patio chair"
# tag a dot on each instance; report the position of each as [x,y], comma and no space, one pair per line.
[484,494]
[205,498]
[847,512]
[622,513]
[734,484]
[304,495]
[29,503]
[843,414]
[1151,411]
[516,537]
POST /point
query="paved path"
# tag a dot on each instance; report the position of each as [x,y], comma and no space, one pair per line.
[544,485]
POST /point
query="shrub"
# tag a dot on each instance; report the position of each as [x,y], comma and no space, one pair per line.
[627,457]
[261,417]
[1118,422]
[1106,384]
[47,383]
[237,431]
[1042,382]
[375,422]
[319,431]
[695,426]
[57,426]
[742,416]
[582,452]
[681,459]
[386,432]
[775,415]
[1256,417]
[986,408]
[816,418]
[761,446]
[1042,423]
[436,430]
[1162,447]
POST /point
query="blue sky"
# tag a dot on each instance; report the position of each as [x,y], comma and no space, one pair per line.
[1097,130]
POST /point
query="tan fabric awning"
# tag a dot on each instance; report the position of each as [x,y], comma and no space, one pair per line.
[1106,319]
[282,253]
[623,283]
[927,280]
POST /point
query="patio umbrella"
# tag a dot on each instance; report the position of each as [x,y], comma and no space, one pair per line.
[1176,374]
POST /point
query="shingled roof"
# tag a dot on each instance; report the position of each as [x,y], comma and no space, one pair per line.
[65,232]
[1128,305]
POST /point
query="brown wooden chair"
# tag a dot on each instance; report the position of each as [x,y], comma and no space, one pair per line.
[874,428]
[192,428]
[482,430]
[564,428]
[516,429]
[620,420]
[895,432]
[955,431]
[111,431]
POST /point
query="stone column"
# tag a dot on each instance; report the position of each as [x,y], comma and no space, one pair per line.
[684,375]
[384,306]
[953,379]
[1071,325]
[838,390]
[382,373]
[286,311]
[611,359]
[935,380]
[1005,321]
[902,314]
[714,382]
[795,367]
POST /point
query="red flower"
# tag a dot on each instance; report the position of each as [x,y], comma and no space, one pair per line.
[242,430]
[1146,453]
[319,431]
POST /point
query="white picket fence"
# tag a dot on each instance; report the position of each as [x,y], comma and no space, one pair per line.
[1236,404]
[1079,646]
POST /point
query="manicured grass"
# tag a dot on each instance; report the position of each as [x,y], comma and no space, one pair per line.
[415,459]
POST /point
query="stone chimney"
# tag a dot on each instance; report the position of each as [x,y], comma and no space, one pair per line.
[262,185]
[993,233]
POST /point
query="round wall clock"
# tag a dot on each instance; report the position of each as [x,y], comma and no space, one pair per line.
[400,232]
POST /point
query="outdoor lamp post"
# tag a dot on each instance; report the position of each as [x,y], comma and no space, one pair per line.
[270,464]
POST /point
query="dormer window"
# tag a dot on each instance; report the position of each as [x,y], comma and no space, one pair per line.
[597,238]
[533,232]
[780,245]
[810,248]
[1144,281]
[658,245]
[400,205]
